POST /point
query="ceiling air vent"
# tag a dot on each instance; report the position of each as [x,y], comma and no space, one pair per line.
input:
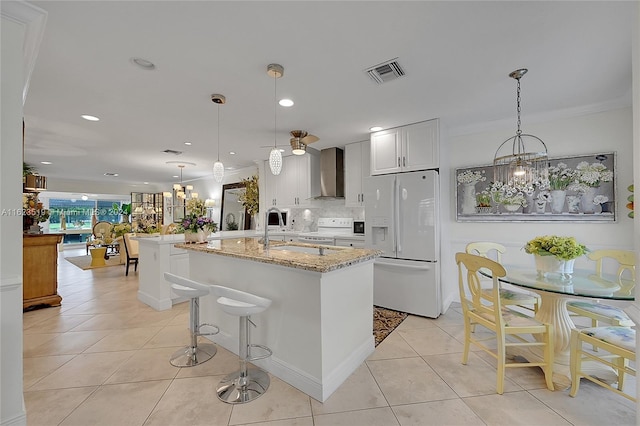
[172,151]
[386,71]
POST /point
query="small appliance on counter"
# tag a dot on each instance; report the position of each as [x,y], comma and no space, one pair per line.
[358,227]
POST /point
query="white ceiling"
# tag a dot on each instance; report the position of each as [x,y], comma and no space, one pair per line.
[456,56]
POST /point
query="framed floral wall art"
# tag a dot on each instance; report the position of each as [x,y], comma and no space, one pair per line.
[578,188]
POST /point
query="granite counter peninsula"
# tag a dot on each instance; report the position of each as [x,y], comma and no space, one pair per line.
[320,324]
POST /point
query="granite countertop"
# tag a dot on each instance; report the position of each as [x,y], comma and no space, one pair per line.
[251,249]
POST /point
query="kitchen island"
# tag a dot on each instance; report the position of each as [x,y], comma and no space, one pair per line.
[320,324]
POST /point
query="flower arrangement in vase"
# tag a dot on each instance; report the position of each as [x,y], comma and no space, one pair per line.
[467,181]
[555,254]
[483,202]
[196,225]
[511,196]
[33,213]
[589,177]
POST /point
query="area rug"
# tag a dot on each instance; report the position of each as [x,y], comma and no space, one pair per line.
[84,262]
[385,321]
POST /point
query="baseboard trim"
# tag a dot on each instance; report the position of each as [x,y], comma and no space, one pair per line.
[157,304]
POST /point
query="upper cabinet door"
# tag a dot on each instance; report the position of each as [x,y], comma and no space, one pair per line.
[420,146]
[386,151]
[404,149]
[352,174]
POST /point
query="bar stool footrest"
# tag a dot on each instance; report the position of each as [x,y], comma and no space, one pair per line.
[268,351]
[213,333]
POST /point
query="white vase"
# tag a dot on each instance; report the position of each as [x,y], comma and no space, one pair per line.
[468,199]
[512,208]
[531,205]
[573,203]
[557,200]
[541,206]
[586,200]
[196,237]
[546,265]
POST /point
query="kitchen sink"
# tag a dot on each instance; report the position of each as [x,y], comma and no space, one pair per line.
[306,250]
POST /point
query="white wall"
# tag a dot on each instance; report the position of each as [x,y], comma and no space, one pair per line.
[598,132]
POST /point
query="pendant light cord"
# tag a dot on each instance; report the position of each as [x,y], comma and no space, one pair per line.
[275,110]
[218,132]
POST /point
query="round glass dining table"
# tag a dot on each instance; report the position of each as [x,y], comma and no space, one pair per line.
[555,290]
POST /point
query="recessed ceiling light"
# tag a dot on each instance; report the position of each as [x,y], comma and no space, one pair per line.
[286,102]
[176,176]
[46,162]
[375,128]
[232,153]
[146,183]
[188,143]
[90,117]
[281,150]
[84,198]
[143,63]
[111,174]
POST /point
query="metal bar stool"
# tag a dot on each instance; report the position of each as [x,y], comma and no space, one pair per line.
[245,384]
[192,354]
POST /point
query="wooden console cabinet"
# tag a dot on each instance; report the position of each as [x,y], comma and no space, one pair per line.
[40,270]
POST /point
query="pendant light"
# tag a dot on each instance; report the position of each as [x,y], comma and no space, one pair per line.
[218,167]
[275,156]
[523,167]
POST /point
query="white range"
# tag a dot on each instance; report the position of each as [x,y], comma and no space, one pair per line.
[329,228]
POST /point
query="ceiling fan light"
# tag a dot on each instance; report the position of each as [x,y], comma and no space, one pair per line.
[218,171]
[298,147]
[275,161]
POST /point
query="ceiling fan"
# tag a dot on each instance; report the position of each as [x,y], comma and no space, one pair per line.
[299,141]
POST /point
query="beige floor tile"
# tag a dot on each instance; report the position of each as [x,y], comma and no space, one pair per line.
[457,332]
[170,336]
[371,417]
[31,342]
[514,408]
[36,368]
[124,340]
[180,319]
[223,362]
[105,322]
[592,405]
[299,421]
[394,346]
[73,342]
[358,392]
[413,322]
[452,412]
[451,317]
[527,378]
[122,405]
[58,324]
[191,401]
[50,407]
[84,370]
[281,401]
[409,380]
[473,379]
[431,341]
[145,364]
[153,318]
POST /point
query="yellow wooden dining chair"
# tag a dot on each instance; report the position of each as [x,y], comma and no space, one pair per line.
[487,310]
[618,346]
[601,312]
[495,251]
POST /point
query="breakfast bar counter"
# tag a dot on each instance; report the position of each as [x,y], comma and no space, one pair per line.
[320,324]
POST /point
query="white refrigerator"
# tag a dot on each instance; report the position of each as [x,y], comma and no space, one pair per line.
[401,219]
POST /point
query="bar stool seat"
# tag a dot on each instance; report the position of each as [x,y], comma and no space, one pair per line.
[245,384]
[193,354]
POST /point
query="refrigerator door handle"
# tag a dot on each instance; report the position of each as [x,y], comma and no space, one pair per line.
[396,217]
[421,267]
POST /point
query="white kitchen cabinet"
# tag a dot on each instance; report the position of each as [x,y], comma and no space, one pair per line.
[356,168]
[298,182]
[406,148]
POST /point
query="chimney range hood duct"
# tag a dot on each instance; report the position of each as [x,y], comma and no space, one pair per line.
[331,173]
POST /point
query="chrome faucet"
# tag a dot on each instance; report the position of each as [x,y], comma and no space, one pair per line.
[265,241]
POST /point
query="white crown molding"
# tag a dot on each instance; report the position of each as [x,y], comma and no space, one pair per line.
[33,19]
[618,103]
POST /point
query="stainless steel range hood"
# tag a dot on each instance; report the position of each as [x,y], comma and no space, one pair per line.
[331,173]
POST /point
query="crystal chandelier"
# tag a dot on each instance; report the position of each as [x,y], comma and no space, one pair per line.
[521,167]
[275,156]
[218,167]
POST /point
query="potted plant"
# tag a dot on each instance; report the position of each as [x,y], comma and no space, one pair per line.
[555,254]
[509,195]
[467,181]
[196,225]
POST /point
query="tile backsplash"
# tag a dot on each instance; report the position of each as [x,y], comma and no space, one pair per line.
[302,218]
